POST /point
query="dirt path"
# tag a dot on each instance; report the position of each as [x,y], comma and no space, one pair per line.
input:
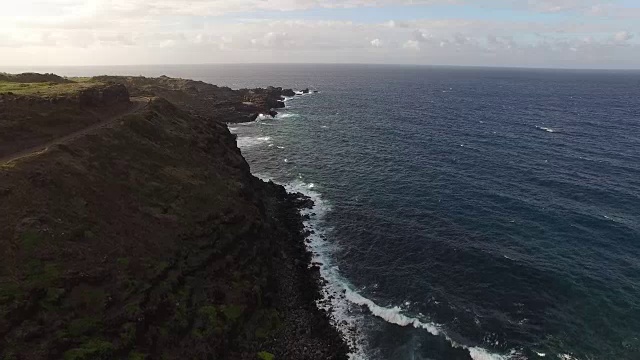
[137,105]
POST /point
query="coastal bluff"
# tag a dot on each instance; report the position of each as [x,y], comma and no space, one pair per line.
[131,227]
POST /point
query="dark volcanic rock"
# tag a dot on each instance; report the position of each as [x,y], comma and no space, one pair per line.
[104,95]
[247,107]
[216,103]
[288,93]
[305,91]
[34,78]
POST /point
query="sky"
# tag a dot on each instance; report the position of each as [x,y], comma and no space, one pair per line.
[522,33]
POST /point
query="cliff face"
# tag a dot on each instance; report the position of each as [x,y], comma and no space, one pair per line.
[151,239]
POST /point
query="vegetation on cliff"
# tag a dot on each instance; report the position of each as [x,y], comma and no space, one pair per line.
[150,239]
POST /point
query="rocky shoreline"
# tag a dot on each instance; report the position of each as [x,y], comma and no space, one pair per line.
[151,239]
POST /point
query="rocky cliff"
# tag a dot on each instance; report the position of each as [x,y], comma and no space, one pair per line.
[150,239]
[206,100]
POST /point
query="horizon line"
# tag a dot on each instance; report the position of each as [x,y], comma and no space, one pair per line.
[514,67]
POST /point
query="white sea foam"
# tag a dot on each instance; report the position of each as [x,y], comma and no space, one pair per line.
[394,315]
[249,141]
[250,123]
[545,129]
[567,357]
[262,117]
[286,116]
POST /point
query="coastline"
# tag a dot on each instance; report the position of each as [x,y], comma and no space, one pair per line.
[351,311]
[163,244]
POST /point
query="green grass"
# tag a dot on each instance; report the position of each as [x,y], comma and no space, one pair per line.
[263,355]
[92,350]
[81,79]
[31,239]
[44,89]
[82,326]
[232,312]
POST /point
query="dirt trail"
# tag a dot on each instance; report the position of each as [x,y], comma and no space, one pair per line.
[137,104]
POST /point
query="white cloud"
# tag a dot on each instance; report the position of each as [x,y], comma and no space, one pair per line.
[422,36]
[622,37]
[397,24]
[376,43]
[411,45]
[274,40]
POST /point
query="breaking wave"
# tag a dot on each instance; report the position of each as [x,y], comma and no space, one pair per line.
[549,130]
[248,141]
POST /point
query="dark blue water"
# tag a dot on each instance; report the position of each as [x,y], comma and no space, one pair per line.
[496,208]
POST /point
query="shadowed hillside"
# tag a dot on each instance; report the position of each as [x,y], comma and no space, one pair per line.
[150,239]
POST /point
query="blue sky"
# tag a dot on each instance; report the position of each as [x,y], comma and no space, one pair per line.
[539,33]
[409,12]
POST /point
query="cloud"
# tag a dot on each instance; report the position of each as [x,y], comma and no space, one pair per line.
[500,42]
[622,37]
[422,36]
[199,31]
[412,45]
[274,40]
[397,24]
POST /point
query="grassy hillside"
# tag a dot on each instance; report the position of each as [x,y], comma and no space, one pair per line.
[32,114]
[48,89]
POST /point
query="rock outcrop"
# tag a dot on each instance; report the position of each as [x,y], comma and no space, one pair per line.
[206,100]
[34,78]
[288,93]
[106,95]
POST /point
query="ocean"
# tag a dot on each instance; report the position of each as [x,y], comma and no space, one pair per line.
[461,213]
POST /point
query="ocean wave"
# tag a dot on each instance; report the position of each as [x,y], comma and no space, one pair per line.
[286,116]
[567,357]
[394,315]
[550,130]
[262,117]
[249,141]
